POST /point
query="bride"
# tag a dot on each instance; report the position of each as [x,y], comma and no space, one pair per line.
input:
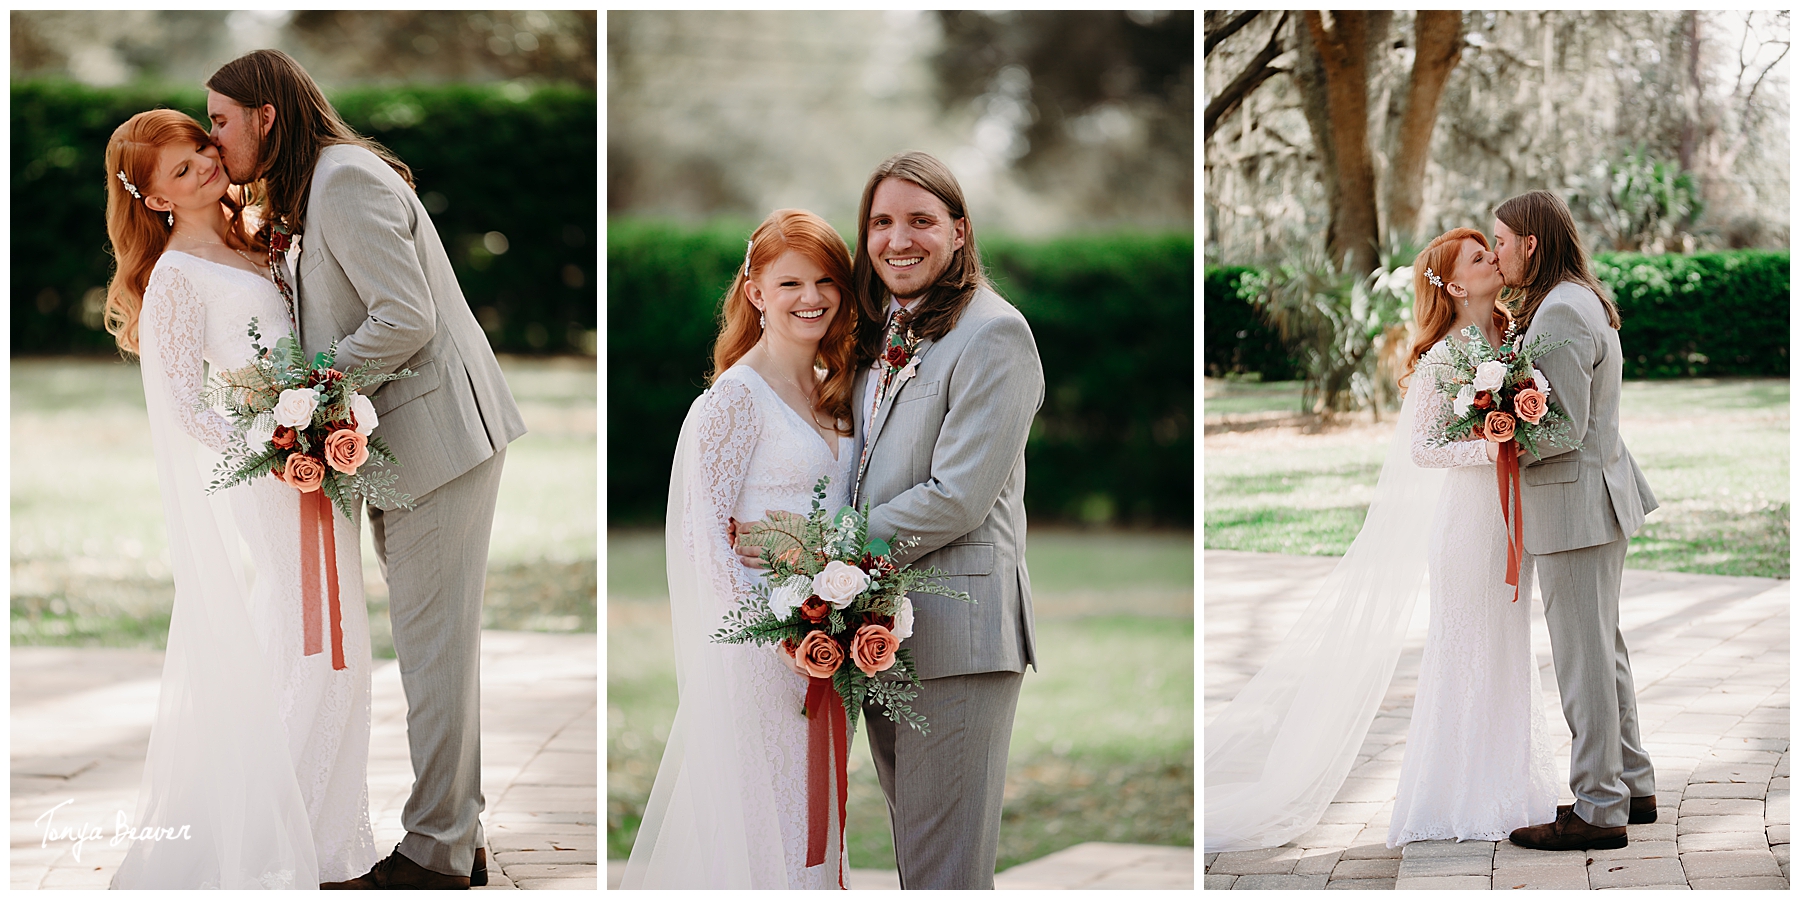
[1477,762]
[259,753]
[729,806]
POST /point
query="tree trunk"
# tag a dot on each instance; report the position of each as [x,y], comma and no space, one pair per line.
[1344,45]
[1438,48]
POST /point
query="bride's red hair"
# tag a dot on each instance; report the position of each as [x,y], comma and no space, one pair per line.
[810,236]
[138,233]
[1434,310]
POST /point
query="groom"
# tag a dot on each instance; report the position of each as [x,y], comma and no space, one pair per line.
[372,275]
[1581,508]
[943,460]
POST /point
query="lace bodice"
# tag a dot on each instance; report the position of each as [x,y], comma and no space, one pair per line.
[201,311]
[1432,406]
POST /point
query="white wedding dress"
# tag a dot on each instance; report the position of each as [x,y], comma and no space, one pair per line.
[261,752]
[1477,762]
[729,806]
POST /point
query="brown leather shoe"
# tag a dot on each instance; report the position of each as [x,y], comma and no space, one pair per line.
[478,874]
[397,873]
[1569,832]
[1643,810]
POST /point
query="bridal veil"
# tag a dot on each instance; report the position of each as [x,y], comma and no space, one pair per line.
[1278,753]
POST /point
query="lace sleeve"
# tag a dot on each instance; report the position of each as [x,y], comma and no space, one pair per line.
[1425,424]
[728,429]
[173,309]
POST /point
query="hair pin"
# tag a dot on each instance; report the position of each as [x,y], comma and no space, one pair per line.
[129,186]
[1436,281]
[747,245]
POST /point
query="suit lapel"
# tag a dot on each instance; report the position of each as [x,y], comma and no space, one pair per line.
[883,406]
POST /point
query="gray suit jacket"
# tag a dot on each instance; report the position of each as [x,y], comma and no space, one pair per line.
[374,277]
[947,466]
[1596,495]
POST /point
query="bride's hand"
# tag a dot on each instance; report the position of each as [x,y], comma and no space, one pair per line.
[1493,451]
[749,556]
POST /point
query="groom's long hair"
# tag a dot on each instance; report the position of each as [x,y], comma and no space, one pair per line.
[1559,257]
[935,313]
[305,123]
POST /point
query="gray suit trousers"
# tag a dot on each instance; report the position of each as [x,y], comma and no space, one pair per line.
[1607,765]
[947,837]
[434,557]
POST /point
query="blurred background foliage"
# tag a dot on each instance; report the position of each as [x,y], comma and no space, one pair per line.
[1112,315]
[495,112]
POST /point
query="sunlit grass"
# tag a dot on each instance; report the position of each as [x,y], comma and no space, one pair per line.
[89,548]
[1715,452]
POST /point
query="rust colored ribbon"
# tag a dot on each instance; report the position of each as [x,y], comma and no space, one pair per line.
[827,754]
[1507,469]
[317,538]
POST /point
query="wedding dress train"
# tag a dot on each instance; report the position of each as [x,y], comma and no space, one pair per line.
[259,751]
[729,805]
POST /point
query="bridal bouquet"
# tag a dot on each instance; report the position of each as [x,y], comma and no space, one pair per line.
[1496,394]
[305,423]
[835,606]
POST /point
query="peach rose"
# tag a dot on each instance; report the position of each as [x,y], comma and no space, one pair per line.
[814,609]
[1499,427]
[873,649]
[346,450]
[819,656]
[1530,405]
[303,473]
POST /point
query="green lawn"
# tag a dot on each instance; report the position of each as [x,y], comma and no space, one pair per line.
[1715,452]
[89,550]
[1103,744]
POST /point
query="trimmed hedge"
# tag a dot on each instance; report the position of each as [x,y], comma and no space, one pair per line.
[1113,320]
[1237,339]
[500,169]
[1709,314]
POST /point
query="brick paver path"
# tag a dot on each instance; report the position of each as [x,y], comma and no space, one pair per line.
[1710,656]
[1093,866]
[80,721]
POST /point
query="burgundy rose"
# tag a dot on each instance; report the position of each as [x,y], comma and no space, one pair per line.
[814,609]
[895,356]
[284,437]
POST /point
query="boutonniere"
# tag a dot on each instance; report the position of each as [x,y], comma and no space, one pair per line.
[902,358]
[280,239]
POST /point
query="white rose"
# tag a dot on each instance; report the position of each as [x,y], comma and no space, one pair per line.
[903,620]
[787,596]
[1464,399]
[295,408]
[1543,384]
[839,583]
[1489,375]
[363,410]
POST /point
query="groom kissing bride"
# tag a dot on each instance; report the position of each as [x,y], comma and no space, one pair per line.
[284,221]
[1476,763]
[909,383]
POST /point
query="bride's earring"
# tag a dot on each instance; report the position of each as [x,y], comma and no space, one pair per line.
[762,320]
[171,218]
